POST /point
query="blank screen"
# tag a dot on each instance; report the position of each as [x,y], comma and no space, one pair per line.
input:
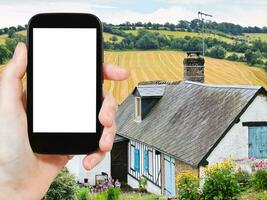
[64,80]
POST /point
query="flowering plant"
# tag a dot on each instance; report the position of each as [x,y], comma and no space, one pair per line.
[104,186]
[258,164]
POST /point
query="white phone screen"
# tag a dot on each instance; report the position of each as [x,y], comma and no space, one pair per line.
[64,80]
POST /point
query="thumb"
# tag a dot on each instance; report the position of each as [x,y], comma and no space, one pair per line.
[11,85]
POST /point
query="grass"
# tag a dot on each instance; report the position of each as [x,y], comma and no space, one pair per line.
[255,36]
[3,38]
[108,36]
[182,34]
[252,195]
[168,65]
[140,196]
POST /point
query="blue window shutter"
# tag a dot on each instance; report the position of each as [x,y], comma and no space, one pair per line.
[136,159]
[257,140]
[146,160]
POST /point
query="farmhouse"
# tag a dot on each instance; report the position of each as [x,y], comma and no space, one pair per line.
[168,127]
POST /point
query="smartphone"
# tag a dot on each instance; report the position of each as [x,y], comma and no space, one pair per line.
[64,83]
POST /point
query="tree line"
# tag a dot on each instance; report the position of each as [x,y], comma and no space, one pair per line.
[195,25]
[254,53]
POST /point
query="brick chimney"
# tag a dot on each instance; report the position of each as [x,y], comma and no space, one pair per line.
[194,67]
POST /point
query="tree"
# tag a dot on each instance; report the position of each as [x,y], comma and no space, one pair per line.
[4,54]
[114,38]
[233,57]
[217,52]
[148,40]
[64,187]
[251,57]
[11,33]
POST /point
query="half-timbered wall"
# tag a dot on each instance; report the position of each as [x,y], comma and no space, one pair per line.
[144,161]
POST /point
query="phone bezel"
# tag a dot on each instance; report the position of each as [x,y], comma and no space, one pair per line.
[60,142]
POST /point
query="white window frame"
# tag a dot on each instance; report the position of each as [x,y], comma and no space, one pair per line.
[138,109]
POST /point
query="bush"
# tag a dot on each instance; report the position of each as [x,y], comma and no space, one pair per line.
[220,181]
[243,179]
[82,193]
[259,180]
[64,187]
[187,185]
[143,183]
[233,57]
[217,52]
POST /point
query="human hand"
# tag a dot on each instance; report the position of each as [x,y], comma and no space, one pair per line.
[24,174]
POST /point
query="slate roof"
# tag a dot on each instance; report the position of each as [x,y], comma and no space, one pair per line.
[153,90]
[188,120]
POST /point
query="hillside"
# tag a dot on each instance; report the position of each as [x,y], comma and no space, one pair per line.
[107,37]
[255,36]
[168,65]
[182,34]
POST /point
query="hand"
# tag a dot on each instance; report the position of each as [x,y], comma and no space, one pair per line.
[24,174]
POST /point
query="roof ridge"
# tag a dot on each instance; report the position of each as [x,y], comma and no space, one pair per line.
[159,82]
[225,86]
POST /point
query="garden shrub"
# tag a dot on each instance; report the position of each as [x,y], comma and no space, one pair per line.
[243,179]
[142,184]
[63,187]
[259,180]
[187,185]
[83,193]
[220,181]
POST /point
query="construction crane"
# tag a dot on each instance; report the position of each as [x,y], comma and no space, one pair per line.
[202,16]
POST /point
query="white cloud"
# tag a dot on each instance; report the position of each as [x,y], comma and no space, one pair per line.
[162,15]
[20,13]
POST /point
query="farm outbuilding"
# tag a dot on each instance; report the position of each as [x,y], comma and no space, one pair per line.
[175,126]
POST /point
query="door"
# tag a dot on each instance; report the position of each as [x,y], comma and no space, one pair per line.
[257,140]
[119,160]
[169,164]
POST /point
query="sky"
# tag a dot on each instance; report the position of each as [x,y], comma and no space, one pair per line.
[243,12]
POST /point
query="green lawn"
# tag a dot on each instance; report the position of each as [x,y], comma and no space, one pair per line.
[182,34]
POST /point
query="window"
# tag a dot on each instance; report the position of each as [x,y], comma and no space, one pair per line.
[257,141]
[146,165]
[136,160]
[132,157]
[148,161]
[138,108]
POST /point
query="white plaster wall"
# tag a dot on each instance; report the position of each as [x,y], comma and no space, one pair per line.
[235,143]
[75,166]
[132,182]
[153,188]
[150,186]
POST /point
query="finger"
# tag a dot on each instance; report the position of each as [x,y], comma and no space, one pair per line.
[108,110]
[90,161]
[113,72]
[107,138]
[11,85]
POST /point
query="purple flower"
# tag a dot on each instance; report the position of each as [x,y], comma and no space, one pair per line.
[117,183]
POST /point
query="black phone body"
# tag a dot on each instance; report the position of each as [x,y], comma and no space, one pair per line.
[64,83]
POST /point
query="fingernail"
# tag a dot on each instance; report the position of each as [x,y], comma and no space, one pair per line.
[16,52]
[92,163]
